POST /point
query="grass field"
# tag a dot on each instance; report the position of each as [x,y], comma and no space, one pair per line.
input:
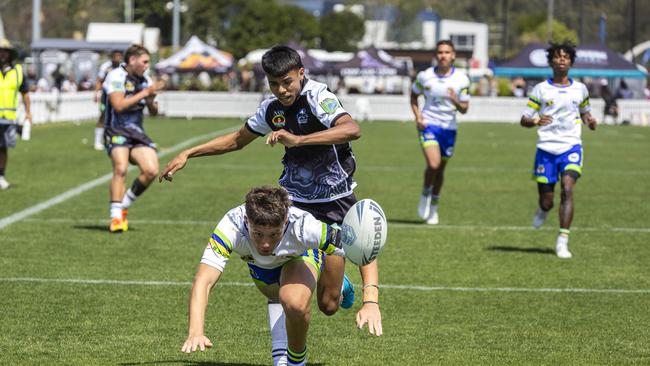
[482,288]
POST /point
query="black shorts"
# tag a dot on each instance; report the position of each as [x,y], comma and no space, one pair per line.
[329,212]
[123,137]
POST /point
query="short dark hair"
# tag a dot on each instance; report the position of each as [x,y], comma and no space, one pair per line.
[267,206]
[134,50]
[280,60]
[446,42]
[565,46]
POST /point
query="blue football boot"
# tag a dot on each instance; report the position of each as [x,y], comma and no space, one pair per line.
[347,293]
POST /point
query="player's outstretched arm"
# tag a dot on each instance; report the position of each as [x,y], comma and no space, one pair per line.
[206,277]
[219,145]
[369,312]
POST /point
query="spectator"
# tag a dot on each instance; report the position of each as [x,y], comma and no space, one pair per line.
[518,87]
[32,79]
[85,83]
[611,107]
[68,85]
[623,91]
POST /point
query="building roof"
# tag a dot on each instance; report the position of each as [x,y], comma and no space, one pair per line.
[71,45]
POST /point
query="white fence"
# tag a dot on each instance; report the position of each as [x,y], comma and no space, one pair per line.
[50,107]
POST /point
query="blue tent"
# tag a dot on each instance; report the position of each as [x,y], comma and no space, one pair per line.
[591,61]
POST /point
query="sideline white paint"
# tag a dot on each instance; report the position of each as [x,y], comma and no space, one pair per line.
[79,281]
[392,224]
[21,215]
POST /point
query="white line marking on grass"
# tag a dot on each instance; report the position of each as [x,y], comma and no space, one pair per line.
[384,286]
[392,224]
[20,215]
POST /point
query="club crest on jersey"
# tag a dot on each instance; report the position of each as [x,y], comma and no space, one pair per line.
[330,105]
[302,116]
[278,118]
[129,86]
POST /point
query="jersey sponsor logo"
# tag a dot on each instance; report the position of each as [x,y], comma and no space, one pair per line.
[574,157]
[278,119]
[117,85]
[330,105]
[302,116]
[540,169]
[549,103]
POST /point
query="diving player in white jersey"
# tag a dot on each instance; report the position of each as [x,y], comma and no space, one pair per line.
[316,132]
[558,107]
[284,247]
[446,91]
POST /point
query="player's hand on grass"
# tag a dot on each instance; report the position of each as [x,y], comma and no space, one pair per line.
[195,343]
[172,167]
[283,137]
[370,314]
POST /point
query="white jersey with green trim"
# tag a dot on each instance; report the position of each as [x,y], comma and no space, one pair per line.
[565,104]
[302,232]
[438,109]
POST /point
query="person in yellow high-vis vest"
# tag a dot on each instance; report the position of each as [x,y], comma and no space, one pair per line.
[12,82]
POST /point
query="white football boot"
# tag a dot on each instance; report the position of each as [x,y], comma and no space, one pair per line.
[562,247]
[423,206]
[432,219]
[3,183]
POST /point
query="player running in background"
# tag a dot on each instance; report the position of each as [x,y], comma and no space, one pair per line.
[129,91]
[446,91]
[558,107]
[100,95]
[284,247]
[316,131]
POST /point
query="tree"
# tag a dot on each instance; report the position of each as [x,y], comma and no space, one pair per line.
[240,26]
[559,34]
[341,31]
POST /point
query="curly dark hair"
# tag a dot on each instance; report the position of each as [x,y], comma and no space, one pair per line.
[565,46]
[267,206]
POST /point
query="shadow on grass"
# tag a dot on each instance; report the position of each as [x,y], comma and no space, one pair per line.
[195,363]
[502,248]
[97,227]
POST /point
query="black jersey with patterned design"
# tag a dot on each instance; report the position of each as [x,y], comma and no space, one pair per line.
[312,173]
[119,80]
